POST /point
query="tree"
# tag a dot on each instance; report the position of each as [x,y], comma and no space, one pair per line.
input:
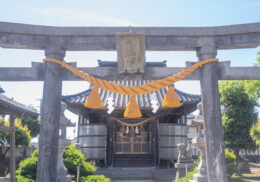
[238,116]
[22,138]
[253,86]
[33,125]
[255,132]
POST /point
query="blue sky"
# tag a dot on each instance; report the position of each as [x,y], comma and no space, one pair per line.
[182,13]
[135,12]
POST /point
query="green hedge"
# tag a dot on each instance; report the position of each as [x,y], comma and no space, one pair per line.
[24,179]
[95,178]
[27,168]
[71,158]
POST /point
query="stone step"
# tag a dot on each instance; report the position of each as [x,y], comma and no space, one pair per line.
[139,174]
[133,160]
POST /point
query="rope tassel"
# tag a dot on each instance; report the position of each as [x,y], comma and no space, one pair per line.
[94,100]
[132,109]
[171,98]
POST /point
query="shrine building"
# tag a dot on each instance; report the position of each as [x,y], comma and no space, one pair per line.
[114,141]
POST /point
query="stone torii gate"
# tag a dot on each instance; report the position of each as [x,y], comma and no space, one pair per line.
[55,41]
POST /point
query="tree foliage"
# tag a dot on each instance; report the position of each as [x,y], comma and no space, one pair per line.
[22,134]
[33,125]
[232,167]
[255,132]
[22,138]
[253,86]
[238,115]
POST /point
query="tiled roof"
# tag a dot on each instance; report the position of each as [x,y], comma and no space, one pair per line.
[121,100]
[16,107]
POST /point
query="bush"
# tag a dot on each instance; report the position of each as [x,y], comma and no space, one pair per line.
[32,124]
[27,168]
[73,158]
[95,178]
[24,179]
[232,167]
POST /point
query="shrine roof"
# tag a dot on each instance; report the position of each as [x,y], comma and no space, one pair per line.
[122,100]
[10,106]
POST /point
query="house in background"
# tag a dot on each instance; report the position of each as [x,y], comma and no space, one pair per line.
[14,109]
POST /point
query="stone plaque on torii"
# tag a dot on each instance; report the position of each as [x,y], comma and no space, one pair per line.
[55,41]
[130,52]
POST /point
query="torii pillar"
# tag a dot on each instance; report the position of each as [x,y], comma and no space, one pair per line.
[214,140]
[50,114]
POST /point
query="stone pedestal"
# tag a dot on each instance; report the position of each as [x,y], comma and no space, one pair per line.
[62,172]
[184,161]
[181,169]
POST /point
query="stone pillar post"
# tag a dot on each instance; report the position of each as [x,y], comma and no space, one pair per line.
[49,130]
[216,166]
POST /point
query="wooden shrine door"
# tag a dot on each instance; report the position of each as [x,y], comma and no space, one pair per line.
[133,140]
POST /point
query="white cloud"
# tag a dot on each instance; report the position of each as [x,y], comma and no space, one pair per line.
[80,18]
